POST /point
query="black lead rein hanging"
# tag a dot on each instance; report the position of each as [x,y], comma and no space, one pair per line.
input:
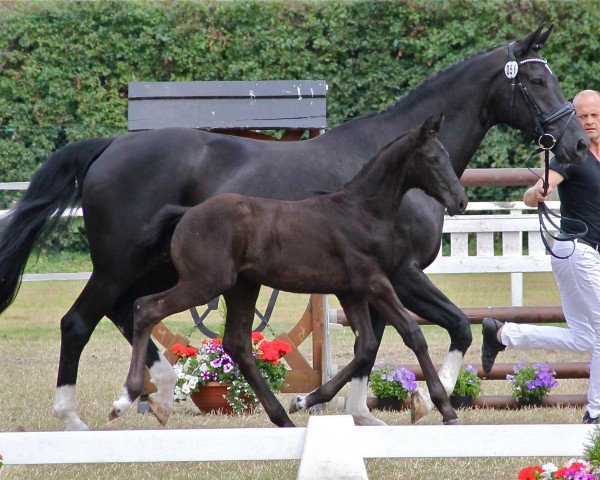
[546,143]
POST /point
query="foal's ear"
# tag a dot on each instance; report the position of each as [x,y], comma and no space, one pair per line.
[431,126]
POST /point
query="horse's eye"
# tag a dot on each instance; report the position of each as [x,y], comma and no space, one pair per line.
[537,81]
[432,158]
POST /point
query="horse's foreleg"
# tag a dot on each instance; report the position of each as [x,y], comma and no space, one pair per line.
[386,301]
[240,302]
[365,349]
[76,328]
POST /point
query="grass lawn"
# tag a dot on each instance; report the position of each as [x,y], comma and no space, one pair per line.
[29,347]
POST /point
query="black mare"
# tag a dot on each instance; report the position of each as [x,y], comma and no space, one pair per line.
[123,182]
[339,243]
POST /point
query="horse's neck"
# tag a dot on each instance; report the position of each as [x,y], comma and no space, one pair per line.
[459,93]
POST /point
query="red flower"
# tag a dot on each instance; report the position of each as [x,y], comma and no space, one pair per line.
[269,352]
[257,337]
[182,351]
[178,350]
[282,347]
[561,472]
[189,351]
[530,473]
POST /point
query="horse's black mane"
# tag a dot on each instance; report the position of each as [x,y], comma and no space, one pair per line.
[417,92]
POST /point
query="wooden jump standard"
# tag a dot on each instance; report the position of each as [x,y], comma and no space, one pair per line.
[296,108]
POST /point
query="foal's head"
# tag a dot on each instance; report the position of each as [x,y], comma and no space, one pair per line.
[430,168]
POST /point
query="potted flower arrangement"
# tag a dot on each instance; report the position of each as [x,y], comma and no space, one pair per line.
[210,367]
[531,382]
[467,388]
[572,470]
[391,384]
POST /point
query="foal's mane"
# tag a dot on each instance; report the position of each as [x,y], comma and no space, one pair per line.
[401,148]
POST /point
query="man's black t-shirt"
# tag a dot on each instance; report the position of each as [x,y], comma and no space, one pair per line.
[579,194]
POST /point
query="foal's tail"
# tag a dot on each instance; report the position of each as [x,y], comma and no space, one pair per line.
[155,239]
[54,187]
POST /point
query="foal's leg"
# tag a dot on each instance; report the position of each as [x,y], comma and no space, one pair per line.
[149,311]
[385,300]
[237,342]
[357,313]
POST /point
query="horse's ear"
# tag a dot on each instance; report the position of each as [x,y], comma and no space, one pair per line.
[437,124]
[533,41]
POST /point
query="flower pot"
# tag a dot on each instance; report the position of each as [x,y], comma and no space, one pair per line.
[461,401]
[388,403]
[532,402]
[210,398]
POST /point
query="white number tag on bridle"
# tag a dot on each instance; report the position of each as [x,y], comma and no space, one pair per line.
[511,69]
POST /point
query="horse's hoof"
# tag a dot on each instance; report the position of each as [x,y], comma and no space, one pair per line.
[113,413]
[453,421]
[417,408]
[161,412]
[298,403]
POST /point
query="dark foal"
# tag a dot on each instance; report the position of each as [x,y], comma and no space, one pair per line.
[231,244]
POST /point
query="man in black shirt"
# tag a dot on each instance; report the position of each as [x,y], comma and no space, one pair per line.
[578,275]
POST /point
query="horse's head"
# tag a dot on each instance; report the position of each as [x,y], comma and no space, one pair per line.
[528,97]
[432,170]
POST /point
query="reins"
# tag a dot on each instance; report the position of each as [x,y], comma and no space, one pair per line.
[546,143]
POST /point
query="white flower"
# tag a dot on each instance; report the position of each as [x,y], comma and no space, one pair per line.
[193,382]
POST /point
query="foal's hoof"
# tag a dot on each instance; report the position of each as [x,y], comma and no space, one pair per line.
[161,412]
[298,403]
[114,413]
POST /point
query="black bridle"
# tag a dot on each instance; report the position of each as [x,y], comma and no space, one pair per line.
[546,141]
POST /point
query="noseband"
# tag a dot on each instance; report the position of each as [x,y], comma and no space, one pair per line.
[546,141]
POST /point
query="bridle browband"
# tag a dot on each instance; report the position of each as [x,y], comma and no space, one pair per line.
[546,141]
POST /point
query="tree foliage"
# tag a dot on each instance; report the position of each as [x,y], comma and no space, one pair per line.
[65,65]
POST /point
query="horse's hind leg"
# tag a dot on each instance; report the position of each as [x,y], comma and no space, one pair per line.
[422,297]
[77,326]
[365,348]
[237,342]
[385,300]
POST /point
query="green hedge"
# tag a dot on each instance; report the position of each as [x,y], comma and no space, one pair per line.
[65,65]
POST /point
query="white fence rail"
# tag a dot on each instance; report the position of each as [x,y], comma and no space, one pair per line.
[330,447]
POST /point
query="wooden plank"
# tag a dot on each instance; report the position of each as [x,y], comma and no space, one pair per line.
[302,381]
[268,113]
[41,448]
[474,441]
[298,89]
[331,450]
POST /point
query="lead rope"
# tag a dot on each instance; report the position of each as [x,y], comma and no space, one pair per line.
[545,213]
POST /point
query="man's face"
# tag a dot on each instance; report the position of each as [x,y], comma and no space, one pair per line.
[588,112]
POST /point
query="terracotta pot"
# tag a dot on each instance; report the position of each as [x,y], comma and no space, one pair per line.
[210,398]
[461,401]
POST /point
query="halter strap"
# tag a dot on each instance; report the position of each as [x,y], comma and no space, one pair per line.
[546,141]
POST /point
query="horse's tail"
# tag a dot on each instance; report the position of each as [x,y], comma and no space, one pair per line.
[54,187]
[155,238]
